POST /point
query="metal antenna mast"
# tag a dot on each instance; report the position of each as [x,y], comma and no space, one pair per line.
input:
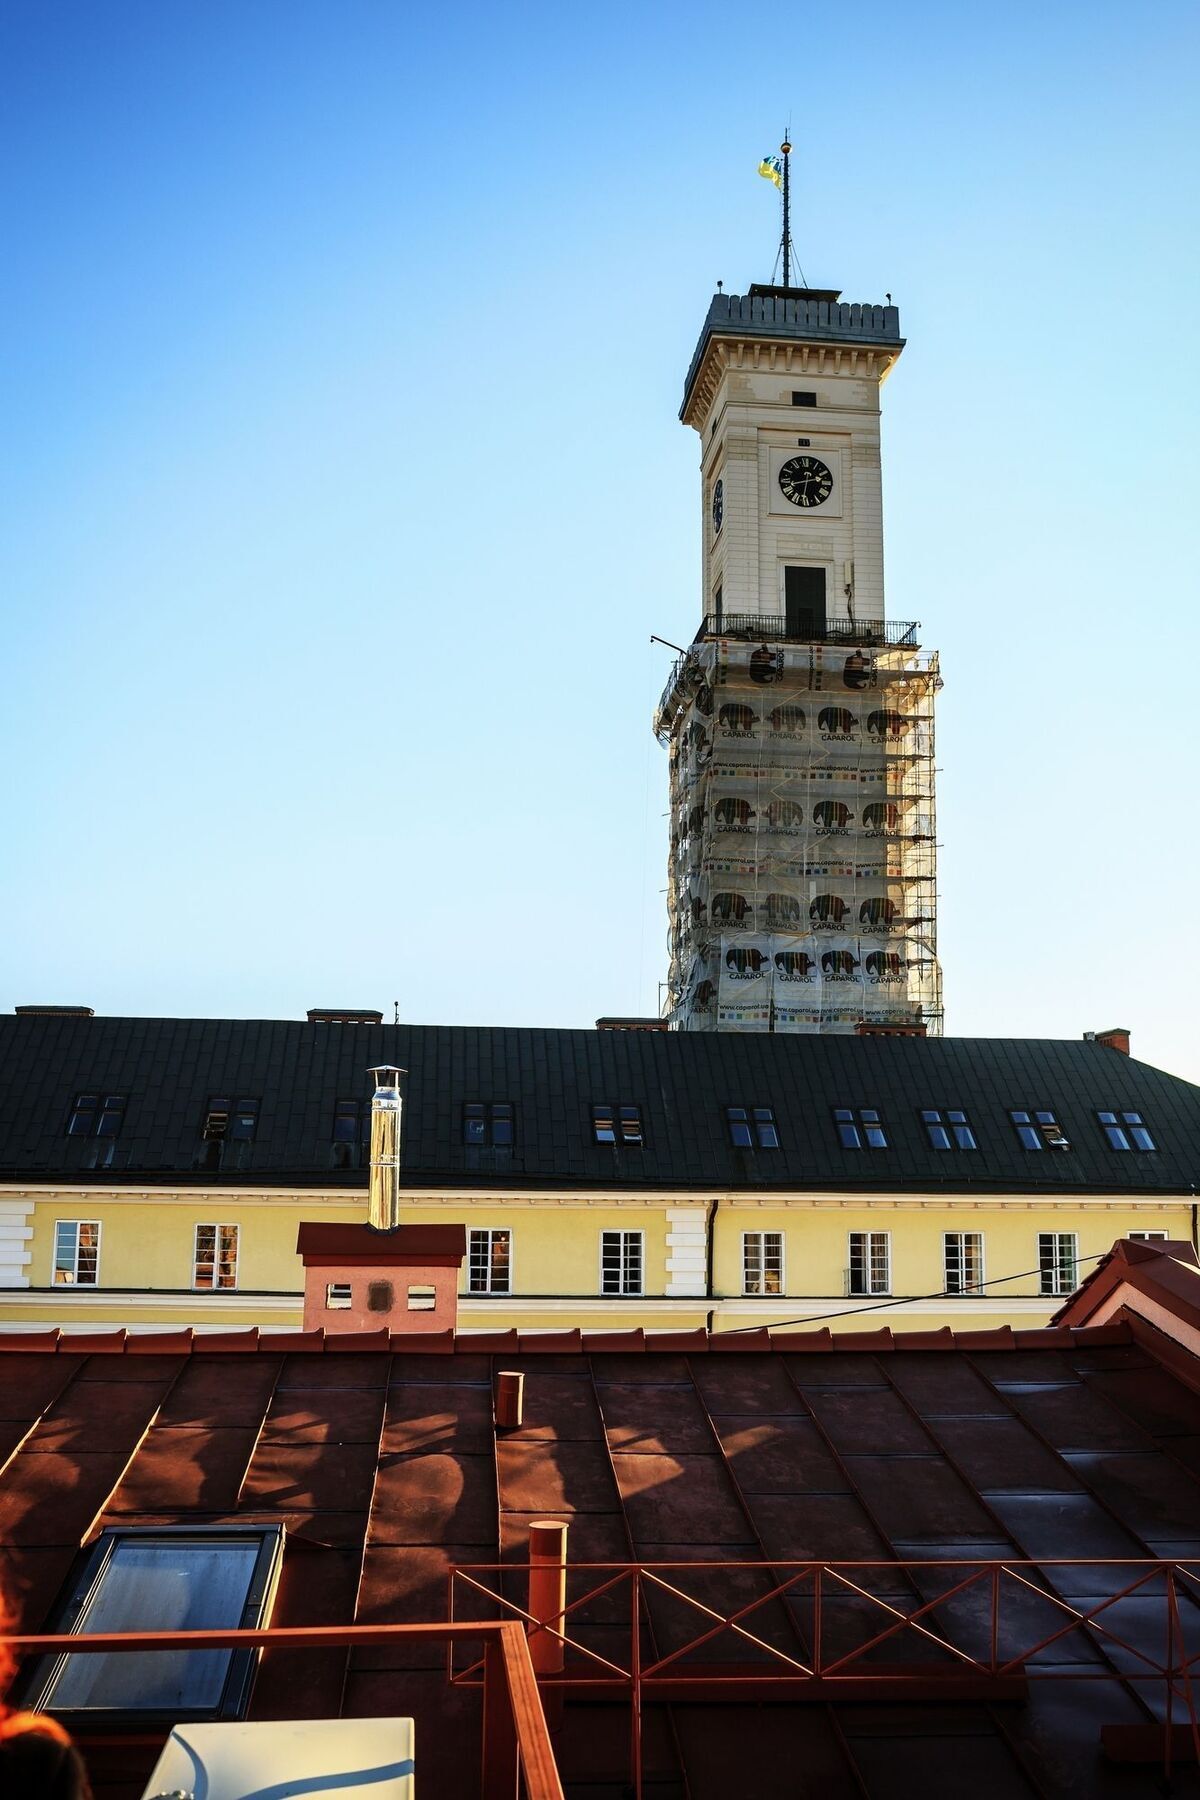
[785,150]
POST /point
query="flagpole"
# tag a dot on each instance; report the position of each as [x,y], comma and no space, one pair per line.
[786,151]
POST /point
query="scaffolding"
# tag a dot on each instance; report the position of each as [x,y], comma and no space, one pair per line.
[802,875]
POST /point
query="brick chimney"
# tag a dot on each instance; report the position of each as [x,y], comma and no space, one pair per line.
[1116,1038]
[382,1274]
[359,1279]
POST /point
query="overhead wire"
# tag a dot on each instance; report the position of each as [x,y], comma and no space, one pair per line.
[854,1312]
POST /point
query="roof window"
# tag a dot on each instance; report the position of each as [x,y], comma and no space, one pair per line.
[860,1128]
[1125,1131]
[228,1122]
[617,1124]
[948,1128]
[165,1579]
[97,1115]
[752,1127]
[1039,1130]
[351,1130]
[488,1123]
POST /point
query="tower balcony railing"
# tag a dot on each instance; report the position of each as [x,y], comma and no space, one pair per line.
[773,628]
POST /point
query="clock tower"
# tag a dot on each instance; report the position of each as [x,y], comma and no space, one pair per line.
[802,879]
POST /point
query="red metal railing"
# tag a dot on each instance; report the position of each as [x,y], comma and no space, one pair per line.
[517,1760]
[984,1624]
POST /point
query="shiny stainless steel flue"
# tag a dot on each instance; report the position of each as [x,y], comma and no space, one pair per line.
[387,1114]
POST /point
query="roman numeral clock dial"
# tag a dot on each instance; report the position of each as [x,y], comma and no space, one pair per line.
[805,481]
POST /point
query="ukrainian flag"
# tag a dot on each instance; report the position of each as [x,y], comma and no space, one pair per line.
[772,170]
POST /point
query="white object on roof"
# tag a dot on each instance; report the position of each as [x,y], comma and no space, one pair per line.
[287,1759]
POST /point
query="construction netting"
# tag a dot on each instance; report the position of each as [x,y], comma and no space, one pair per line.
[802,877]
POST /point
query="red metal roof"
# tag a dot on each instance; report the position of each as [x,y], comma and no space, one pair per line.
[382,1459]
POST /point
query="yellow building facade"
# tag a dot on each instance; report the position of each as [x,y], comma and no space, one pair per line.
[775,1258]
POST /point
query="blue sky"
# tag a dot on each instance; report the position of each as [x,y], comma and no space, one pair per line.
[342,485]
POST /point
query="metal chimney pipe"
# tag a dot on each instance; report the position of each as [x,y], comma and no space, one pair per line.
[387,1113]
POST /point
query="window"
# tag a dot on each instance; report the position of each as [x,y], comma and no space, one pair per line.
[752,1127]
[1057,1260]
[97,1115]
[164,1579]
[214,1263]
[1125,1131]
[802,399]
[948,1129]
[617,1124]
[1147,1237]
[76,1252]
[489,1262]
[337,1296]
[762,1262]
[859,1128]
[225,1121]
[488,1124]
[1036,1130]
[351,1130]
[870,1270]
[962,1253]
[422,1297]
[351,1121]
[620,1262]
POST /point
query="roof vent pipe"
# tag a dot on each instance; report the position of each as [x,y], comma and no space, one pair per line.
[387,1115]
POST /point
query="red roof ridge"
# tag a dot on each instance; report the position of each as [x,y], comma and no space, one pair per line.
[187,1341]
[1155,1282]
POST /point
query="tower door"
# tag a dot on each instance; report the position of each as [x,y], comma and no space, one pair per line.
[804,602]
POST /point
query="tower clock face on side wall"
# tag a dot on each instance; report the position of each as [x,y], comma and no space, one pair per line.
[805,481]
[718,506]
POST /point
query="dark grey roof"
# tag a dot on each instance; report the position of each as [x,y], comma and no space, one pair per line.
[298,1071]
[805,320]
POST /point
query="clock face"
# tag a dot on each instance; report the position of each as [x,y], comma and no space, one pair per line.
[718,505]
[805,481]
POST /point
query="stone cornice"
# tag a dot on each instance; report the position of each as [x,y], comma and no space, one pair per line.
[864,362]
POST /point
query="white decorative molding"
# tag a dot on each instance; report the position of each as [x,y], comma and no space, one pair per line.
[687,1255]
[16,1229]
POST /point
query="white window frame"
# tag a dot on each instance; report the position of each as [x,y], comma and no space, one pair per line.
[871,1291]
[1148,1237]
[1059,1286]
[214,1287]
[622,1292]
[489,1232]
[972,1287]
[762,1292]
[76,1225]
[339,1296]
